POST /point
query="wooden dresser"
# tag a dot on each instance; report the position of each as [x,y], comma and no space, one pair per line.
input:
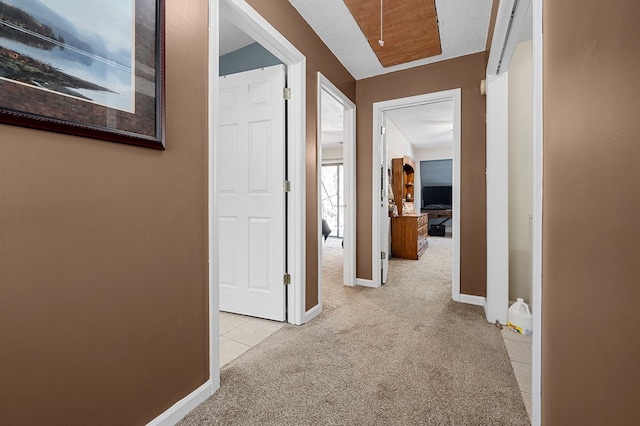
[409,235]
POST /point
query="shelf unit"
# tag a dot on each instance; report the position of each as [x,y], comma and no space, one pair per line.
[403,175]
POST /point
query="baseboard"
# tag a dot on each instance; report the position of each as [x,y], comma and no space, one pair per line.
[181,408]
[312,313]
[365,283]
[486,308]
[471,300]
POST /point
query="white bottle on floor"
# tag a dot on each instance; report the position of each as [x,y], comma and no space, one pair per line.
[519,318]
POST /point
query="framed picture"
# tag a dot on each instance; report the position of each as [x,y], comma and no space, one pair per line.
[91,68]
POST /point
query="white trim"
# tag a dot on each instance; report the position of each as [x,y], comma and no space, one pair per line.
[508,40]
[457,184]
[497,173]
[254,25]
[379,109]
[365,283]
[506,34]
[297,197]
[376,223]
[319,236]
[214,301]
[312,313]
[349,166]
[509,22]
[472,300]
[181,408]
[538,145]
[384,225]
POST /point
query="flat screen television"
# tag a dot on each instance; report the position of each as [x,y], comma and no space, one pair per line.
[436,197]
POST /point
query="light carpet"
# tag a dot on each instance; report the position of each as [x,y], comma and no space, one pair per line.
[403,354]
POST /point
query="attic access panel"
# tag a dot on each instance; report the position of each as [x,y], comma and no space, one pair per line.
[409,29]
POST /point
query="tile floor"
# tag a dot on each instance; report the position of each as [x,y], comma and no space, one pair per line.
[519,349]
[238,333]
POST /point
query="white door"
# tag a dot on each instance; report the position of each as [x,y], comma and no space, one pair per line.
[385,221]
[251,205]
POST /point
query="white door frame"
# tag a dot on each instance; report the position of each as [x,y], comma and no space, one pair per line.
[252,23]
[349,171]
[509,23]
[383,208]
[497,196]
[379,109]
[536,372]
[507,30]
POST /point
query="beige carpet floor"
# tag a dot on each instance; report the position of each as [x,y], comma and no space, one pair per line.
[403,354]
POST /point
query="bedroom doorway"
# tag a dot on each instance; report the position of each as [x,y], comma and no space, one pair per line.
[336,188]
[380,110]
[240,15]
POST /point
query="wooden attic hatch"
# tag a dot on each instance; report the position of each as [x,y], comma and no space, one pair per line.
[409,28]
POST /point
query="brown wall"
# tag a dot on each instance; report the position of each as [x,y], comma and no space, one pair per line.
[591,226]
[294,28]
[465,73]
[103,259]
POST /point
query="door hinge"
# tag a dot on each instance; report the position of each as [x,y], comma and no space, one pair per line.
[383,255]
[286,93]
[286,278]
[287,186]
[383,130]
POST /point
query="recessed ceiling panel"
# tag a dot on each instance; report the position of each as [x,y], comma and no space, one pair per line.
[409,28]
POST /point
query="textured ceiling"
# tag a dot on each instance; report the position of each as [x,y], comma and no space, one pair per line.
[463,30]
[427,125]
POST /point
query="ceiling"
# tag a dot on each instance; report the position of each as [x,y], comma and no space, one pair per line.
[426,125]
[463,26]
[332,124]
[231,38]
[398,31]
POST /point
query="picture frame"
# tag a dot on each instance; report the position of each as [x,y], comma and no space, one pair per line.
[84,67]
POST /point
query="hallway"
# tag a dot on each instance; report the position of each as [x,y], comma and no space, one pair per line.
[401,354]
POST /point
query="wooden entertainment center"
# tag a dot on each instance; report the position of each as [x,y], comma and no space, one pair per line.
[408,229]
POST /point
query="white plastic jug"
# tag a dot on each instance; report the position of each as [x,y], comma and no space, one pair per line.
[519,318]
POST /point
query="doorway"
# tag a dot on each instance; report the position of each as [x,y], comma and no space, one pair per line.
[242,16]
[336,183]
[380,110]
[516,23]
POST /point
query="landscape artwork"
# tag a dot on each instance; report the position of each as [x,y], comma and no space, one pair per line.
[81,49]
